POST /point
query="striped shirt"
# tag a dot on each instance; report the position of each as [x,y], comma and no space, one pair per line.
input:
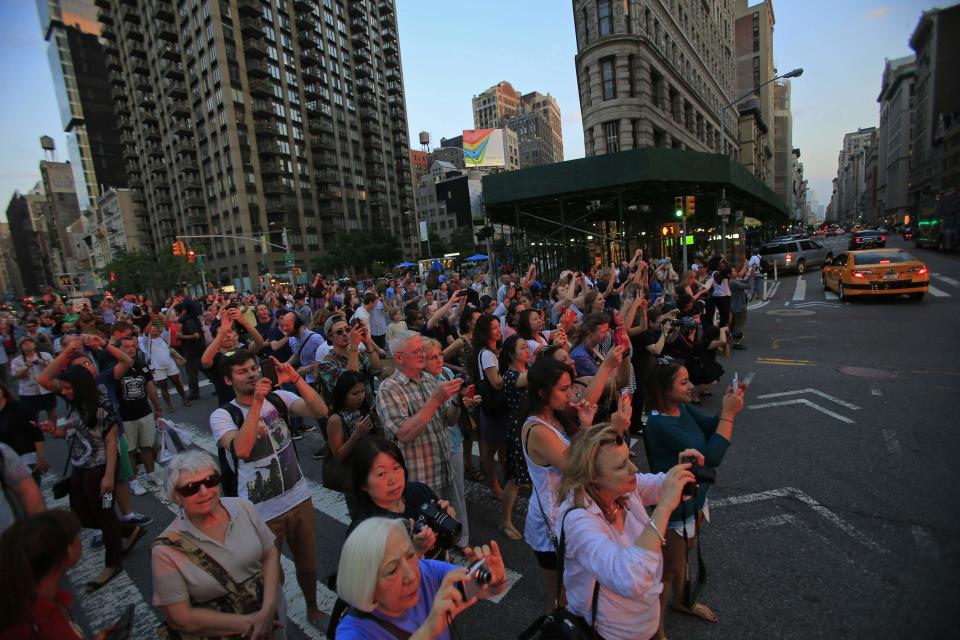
[428,456]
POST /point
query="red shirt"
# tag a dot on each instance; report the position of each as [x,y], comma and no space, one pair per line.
[48,620]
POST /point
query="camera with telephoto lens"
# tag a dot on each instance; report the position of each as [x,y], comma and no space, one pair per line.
[685,322]
[478,576]
[701,475]
[431,515]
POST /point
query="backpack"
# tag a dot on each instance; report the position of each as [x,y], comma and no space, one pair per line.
[229,463]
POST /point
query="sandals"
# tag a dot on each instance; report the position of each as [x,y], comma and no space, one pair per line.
[134,538]
[94,585]
[701,611]
[510,531]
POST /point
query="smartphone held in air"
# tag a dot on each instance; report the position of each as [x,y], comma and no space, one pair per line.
[269,371]
[736,382]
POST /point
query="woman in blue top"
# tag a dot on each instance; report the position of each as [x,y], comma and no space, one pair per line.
[393,593]
[674,427]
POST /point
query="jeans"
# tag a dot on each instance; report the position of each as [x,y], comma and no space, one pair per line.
[720,304]
[85,501]
[192,368]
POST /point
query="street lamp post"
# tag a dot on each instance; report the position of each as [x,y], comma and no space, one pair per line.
[795,73]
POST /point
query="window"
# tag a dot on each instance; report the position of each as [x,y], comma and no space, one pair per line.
[630,71]
[608,78]
[756,71]
[605,17]
[611,130]
[586,26]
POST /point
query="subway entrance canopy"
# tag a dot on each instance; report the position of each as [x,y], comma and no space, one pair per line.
[620,196]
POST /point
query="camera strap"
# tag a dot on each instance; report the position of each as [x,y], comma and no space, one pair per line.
[692,591]
[386,625]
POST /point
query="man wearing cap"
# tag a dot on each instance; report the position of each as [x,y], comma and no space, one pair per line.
[491,306]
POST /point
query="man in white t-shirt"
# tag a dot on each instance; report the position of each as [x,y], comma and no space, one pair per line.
[267,469]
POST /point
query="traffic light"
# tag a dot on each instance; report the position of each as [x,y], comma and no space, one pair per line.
[689,206]
[191,256]
[177,248]
[678,207]
[261,279]
[113,276]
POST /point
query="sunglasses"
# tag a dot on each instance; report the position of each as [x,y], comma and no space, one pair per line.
[339,332]
[618,441]
[191,488]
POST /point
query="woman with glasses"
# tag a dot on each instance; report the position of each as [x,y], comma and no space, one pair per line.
[216,569]
[612,547]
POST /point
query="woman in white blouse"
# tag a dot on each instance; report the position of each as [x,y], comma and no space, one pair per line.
[610,540]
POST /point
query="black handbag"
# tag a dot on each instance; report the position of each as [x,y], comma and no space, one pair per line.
[61,488]
[563,624]
[493,401]
[693,587]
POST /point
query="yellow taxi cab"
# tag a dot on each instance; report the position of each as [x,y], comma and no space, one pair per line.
[876,272]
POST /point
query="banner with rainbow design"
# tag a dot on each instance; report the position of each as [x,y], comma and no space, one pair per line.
[483,148]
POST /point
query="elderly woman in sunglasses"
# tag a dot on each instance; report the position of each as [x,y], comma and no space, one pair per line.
[216,569]
[611,545]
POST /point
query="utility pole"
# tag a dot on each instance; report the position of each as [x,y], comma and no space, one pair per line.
[287,258]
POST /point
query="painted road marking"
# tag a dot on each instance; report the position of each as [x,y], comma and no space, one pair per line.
[842,403]
[804,401]
[939,293]
[832,305]
[946,279]
[785,362]
[772,521]
[801,291]
[103,607]
[778,341]
[890,439]
[797,494]
[924,541]
[830,295]
[876,391]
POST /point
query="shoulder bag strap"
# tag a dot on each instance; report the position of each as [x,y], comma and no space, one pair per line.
[553,537]
[388,626]
[200,558]
[594,600]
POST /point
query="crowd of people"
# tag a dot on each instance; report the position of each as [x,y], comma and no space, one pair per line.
[554,379]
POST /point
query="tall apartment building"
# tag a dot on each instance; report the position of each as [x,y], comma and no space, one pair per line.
[28,239]
[80,80]
[849,201]
[534,117]
[753,38]
[655,74]
[936,109]
[262,120]
[10,281]
[893,137]
[782,143]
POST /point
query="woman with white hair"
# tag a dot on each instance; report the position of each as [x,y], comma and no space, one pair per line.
[216,569]
[395,594]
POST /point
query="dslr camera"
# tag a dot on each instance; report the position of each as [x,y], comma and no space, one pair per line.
[431,515]
[702,475]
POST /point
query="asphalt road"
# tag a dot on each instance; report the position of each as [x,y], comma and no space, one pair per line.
[835,511]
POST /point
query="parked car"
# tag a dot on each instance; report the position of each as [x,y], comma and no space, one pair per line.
[794,254]
[870,239]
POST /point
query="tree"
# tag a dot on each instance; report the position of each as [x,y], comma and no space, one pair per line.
[358,251]
[157,275]
[462,240]
[437,246]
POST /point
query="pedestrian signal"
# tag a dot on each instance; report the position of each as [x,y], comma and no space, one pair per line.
[689,206]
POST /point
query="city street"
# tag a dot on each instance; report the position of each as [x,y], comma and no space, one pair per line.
[835,511]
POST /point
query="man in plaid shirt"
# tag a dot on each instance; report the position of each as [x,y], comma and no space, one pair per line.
[416,411]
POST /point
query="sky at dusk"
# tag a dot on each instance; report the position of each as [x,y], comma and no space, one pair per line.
[454,49]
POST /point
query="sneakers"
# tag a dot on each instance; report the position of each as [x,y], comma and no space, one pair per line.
[149,478]
[97,540]
[137,488]
[136,518]
[307,428]
[296,435]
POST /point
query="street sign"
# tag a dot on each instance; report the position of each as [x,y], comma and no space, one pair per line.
[288,260]
[723,208]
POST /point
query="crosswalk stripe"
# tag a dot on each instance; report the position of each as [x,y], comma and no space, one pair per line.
[830,295]
[801,291]
[946,279]
[103,607]
[939,293]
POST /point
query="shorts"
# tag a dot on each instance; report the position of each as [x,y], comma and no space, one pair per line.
[493,431]
[42,402]
[124,471]
[140,433]
[547,560]
[161,374]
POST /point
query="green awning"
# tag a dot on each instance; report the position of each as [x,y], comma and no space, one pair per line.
[620,181]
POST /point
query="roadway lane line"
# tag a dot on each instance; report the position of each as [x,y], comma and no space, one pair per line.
[800,293]
[926,547]
[939,293]
[876,391]
[104,606]
[772,521]
[890,439]
[812,405]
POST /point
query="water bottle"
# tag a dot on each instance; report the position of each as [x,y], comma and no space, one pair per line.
[106,501]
